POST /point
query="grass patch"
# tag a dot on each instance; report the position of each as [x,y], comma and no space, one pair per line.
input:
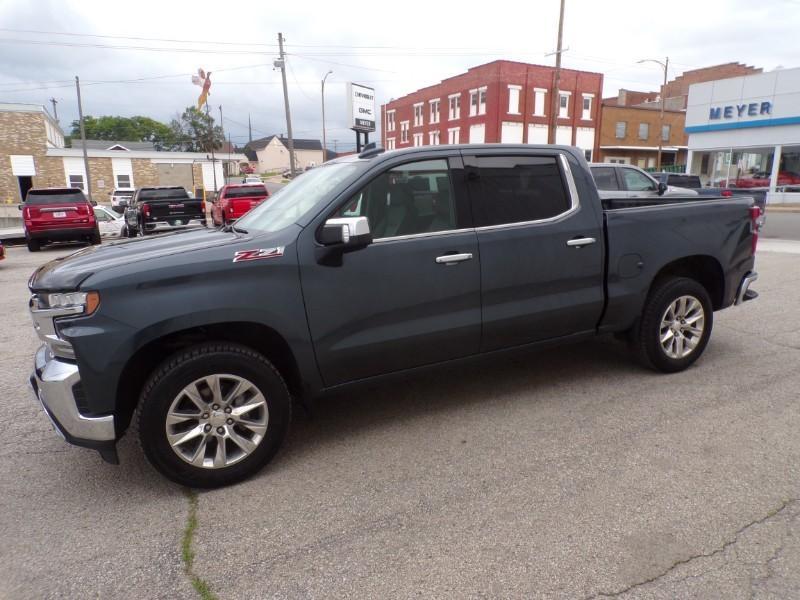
[187,552]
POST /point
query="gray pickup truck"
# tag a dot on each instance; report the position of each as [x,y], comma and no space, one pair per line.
[365,266]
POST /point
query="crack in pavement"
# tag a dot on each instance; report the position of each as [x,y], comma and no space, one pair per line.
[771,514]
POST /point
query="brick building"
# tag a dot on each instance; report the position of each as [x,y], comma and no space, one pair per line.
[629,121]
[33,154]
[501,101]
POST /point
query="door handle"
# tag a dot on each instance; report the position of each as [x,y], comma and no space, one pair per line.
[579,242]
[452,259]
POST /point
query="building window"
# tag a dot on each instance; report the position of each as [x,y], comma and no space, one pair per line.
[477,134]
[587,107]
[124,181]
[390,120]
[511,132]
[477,102]
[563,105]
[620,129]
[455,107]
[452,135]
[418,139]
[644,131]
[539,102]
[665,133]
[403,132]
[434,110]
[433,138]
[513,99]
[418,115]
[390,143]
[76,181]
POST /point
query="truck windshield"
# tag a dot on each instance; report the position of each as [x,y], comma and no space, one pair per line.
[295,199]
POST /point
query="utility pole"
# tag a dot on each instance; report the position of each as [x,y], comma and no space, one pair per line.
[83,139]
[222,128]
[324,144]
[249,130]
[55,110]
[281,63]
[555,100]
[211,144]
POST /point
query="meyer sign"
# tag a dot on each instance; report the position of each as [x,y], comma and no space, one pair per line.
[361,107]
[752,109]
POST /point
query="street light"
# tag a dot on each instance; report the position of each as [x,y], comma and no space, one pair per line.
[664,65]
[324,141]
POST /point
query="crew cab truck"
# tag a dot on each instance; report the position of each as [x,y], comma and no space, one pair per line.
[369,265]
[235,200]
[58,215]
[164,208]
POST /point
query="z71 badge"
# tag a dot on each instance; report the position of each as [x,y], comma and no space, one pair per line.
[243,255]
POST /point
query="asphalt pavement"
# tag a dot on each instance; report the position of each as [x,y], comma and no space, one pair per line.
[563,473]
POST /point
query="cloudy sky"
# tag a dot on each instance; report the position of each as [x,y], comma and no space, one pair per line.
[136,58]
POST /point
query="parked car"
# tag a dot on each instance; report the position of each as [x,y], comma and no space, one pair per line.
[252,179]
[691,182]
[235,200]
[365,266]
[616,180]
[2,250]
[111,224]
[58,214]
[120,198]
[167,208]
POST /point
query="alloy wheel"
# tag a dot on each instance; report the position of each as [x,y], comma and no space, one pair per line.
[682,327]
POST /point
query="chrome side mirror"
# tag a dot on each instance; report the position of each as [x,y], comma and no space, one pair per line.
[346,232]
[662,187]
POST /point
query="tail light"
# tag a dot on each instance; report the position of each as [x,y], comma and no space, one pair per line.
[146,210]
[203,206]
[756,222]
[726,193]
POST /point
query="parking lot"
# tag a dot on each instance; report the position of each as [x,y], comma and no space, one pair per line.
[563,473]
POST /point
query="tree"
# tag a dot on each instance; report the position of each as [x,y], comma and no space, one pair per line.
[195,131]
[136,129]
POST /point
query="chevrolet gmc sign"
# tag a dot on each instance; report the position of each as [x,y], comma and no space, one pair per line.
[361,107]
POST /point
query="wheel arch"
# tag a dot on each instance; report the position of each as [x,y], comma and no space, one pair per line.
[257,336]
[704,269]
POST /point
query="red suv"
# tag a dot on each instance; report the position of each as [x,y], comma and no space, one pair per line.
[58,214]
[235,200]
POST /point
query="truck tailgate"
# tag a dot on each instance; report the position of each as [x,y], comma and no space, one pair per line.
[164,210]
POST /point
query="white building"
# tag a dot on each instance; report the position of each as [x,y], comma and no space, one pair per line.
[744,132]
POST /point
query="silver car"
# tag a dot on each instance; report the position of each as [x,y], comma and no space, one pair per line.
[626,181]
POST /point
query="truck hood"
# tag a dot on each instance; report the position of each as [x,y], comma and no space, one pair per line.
[67,273]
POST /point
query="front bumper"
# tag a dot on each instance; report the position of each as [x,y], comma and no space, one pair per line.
[54,382]
[744,293]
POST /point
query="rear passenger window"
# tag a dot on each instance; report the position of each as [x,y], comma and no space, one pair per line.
[605,178]
[408,199]
[515,189]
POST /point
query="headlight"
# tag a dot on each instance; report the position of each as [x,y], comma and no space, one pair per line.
[88,301]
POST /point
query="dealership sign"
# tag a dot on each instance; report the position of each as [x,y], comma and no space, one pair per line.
[361,107]
[752,109]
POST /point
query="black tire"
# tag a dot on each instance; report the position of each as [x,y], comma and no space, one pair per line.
[646,335]
[181,369]
[95,239]
[34,245]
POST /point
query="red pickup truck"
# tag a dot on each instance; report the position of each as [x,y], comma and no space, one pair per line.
[237,199]
[58,214]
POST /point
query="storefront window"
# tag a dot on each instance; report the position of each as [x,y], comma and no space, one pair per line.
[749,168]
[789,173]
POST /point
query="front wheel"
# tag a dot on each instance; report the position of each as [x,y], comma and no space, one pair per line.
[675,325]
[213,415]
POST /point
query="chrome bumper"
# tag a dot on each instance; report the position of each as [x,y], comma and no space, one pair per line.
[52,381]
[745,293]
[166,226]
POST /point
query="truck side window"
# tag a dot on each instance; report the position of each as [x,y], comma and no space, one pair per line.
[405,200]
[605,178]
[637,182]
[516,189]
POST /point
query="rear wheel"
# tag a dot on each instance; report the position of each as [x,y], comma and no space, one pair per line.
[213,415]
[95,239]
[675,325]
[34,245]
